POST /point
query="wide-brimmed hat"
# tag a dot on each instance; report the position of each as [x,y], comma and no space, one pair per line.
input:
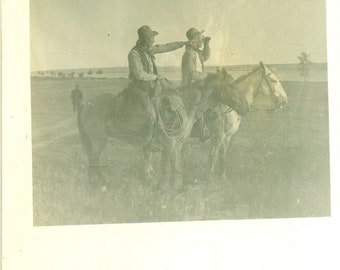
[145,32]
[193,32]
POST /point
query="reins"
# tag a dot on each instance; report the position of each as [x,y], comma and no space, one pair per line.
[172,87]
[264,77]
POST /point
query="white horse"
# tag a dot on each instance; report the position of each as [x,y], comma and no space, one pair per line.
[260,89]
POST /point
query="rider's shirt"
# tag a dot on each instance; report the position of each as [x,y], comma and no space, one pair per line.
[142,61]
[193,64]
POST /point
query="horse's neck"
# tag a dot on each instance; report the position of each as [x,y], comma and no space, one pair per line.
[248,85]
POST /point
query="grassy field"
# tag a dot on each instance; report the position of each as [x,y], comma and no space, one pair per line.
[278,165]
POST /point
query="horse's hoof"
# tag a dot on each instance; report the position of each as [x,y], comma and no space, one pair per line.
[156,187]
[147,178]
[210,178]
[178,185]
[161,186]
[181,190]
[149,171]
[154,148]
[224,178]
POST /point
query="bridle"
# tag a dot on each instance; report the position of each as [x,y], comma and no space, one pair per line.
[264,78]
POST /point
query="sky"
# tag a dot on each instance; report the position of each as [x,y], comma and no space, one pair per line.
[69,34]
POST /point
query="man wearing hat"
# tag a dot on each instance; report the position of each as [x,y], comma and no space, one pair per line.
[193,70]
[143,71]
[193,59]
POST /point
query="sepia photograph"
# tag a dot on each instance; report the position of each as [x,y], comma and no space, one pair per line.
[216,112]
[170,135]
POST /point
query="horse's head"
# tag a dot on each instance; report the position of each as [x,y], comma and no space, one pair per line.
[260,87]
[271,94]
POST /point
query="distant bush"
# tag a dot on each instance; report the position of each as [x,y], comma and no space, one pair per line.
[90,72]
[304,65]
[61,74]
[81,75]
[99,71]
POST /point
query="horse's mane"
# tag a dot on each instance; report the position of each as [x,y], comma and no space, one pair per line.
[242,77]
[211,77]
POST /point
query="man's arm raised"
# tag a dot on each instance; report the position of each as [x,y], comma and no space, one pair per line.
[168,47]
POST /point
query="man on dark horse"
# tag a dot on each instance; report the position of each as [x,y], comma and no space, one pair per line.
[143,71]
[193,70]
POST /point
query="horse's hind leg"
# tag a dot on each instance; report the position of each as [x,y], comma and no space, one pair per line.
[176,167]
[164,177]
[94,141]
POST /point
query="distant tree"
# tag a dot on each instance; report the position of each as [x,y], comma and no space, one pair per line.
[304,65]
[99,71]
[71,74]
[90,72]
[81,75]
[61,74]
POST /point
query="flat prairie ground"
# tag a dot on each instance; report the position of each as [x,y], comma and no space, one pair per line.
[278,165]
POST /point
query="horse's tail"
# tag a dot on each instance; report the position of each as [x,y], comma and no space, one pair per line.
[84,137]
[78,107]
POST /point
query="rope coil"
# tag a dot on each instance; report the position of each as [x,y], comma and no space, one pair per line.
[169,111]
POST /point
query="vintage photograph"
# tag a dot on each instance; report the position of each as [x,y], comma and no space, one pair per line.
[161,111]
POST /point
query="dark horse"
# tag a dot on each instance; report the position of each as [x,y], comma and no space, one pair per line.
[124,117]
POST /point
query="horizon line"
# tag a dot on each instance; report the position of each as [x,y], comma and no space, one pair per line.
[235,65]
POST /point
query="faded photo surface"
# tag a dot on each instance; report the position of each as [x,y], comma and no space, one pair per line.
[178,110]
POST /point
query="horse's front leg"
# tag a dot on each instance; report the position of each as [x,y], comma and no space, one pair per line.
[216,143]
[223,157]
[163,181]
[231,126]
[176,167]
[148,169]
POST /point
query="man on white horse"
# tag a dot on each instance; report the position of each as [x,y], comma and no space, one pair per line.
[193,59]
[193,69]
